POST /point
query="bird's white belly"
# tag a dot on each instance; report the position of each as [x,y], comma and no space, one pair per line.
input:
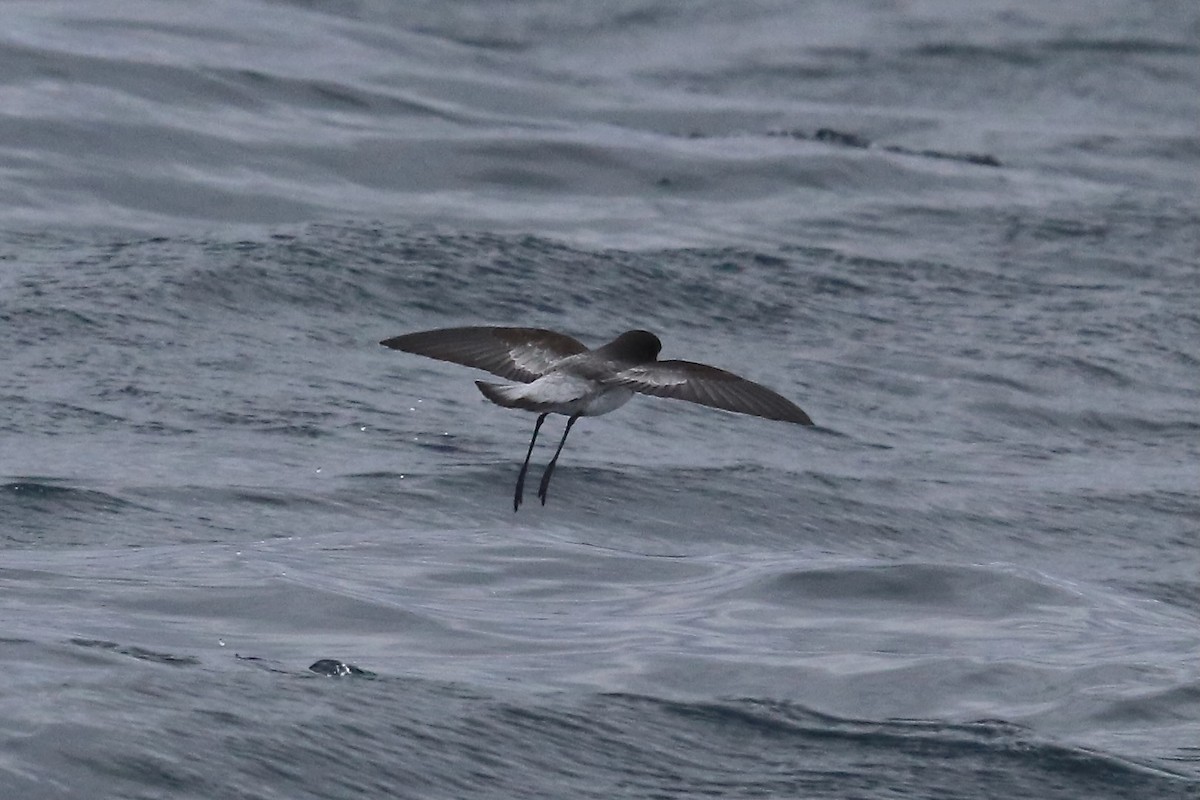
[563,393]
[605,401]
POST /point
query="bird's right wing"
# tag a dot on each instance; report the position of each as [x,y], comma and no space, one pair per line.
[709,386]
[520,354]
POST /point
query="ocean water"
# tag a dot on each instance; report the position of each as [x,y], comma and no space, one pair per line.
[249,553]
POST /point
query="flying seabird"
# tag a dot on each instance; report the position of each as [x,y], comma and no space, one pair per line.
[560,375]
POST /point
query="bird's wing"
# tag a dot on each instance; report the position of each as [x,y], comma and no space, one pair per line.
[709,386]
[520,354]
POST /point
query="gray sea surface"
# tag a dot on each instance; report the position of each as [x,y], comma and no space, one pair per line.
[246,552]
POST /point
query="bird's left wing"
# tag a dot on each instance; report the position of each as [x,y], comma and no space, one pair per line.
[520,354]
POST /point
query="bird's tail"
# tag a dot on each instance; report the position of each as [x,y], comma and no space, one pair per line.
[501,394]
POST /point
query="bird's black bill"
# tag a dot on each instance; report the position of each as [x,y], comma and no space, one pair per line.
[550,467]
[525,467]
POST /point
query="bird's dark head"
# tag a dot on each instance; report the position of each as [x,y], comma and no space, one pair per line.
[635,346]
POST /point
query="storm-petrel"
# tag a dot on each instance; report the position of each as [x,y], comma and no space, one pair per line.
[560,375]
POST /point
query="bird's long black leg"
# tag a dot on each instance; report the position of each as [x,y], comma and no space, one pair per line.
[550,467]
[525,467]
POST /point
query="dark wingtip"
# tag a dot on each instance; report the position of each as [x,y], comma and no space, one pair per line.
[795,416]
[800,418]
